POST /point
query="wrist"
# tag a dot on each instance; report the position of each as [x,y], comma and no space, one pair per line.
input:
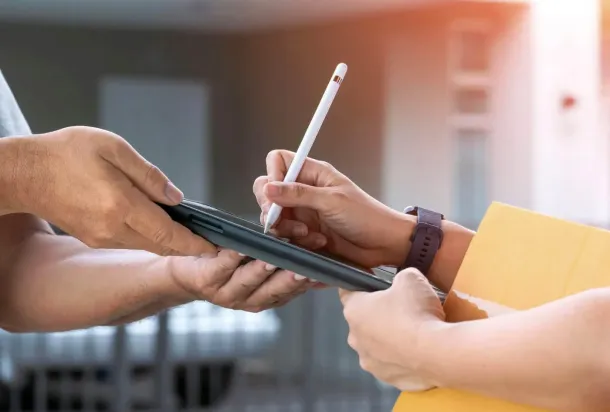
[431,338]
[12,185]
[400,241]
[167,287]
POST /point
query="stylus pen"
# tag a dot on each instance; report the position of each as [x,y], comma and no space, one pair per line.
[309,138]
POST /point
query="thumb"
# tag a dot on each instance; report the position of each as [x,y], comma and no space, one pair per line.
[409,278]
[143,174]
[297,195]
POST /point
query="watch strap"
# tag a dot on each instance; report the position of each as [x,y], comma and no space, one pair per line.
[426,239]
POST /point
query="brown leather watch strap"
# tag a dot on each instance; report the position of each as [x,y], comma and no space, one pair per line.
[426,239]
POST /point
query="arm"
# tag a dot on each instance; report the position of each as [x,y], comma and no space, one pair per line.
[554,356]
[50,283]
[347,221]
[447,262]
[10,148]
[508,356]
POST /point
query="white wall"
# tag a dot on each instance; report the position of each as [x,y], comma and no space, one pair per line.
[418,147]
[417,151]
[511,105]
[570,157]
[540,158]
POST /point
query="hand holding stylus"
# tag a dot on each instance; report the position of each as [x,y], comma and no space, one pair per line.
[324,209]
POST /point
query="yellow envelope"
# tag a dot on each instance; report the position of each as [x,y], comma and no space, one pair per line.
[520,260]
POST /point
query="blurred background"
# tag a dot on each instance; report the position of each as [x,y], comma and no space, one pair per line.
[446,104]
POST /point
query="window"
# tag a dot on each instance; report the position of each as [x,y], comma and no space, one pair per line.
[471,101]
[470,197]
[473,51]
[470,80]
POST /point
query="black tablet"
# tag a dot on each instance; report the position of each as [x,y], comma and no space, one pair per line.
[232,232]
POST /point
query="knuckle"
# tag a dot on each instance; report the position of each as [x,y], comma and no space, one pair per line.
[348,314]
[339,195]
[299,190]
[255,309]
[226,302]
[110,219]
[364,364]
[103,237]
[258,184]
[351,341]
[162,236]
[92,242]
[202,287]
[109,144]
[325,165]
[153,173]
[111,206]
[273,154]
[166,251]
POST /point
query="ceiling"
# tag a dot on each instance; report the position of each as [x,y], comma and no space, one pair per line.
[209,15]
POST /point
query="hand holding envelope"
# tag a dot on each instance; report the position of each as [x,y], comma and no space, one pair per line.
[411,303]
[522,261]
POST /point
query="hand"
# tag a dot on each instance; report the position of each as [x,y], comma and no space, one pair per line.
[324,209]
[387,328]
[220,279]
[93,185]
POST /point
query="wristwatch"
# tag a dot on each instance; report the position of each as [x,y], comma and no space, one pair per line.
[426,239]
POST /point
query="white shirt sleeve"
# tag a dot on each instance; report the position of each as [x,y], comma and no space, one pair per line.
[12,121]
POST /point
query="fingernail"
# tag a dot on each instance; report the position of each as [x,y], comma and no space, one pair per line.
[269,267]
[241,255]
[321,241]
[298,277]
[174,194]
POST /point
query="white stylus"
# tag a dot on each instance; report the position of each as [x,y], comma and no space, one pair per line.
[309,138]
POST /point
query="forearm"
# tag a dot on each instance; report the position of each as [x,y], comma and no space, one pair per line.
[57,283]
[456,240]
[555,356]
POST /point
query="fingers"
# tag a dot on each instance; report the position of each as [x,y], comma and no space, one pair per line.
[313,172]
[296,195]
[281,287]
[278,162]
[286,228]
[259,192]
[150,221]
[347,295]
[143,174]
[253,287]
[243,282]
[292,230]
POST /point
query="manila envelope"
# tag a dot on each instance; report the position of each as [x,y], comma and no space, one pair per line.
[519,260]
